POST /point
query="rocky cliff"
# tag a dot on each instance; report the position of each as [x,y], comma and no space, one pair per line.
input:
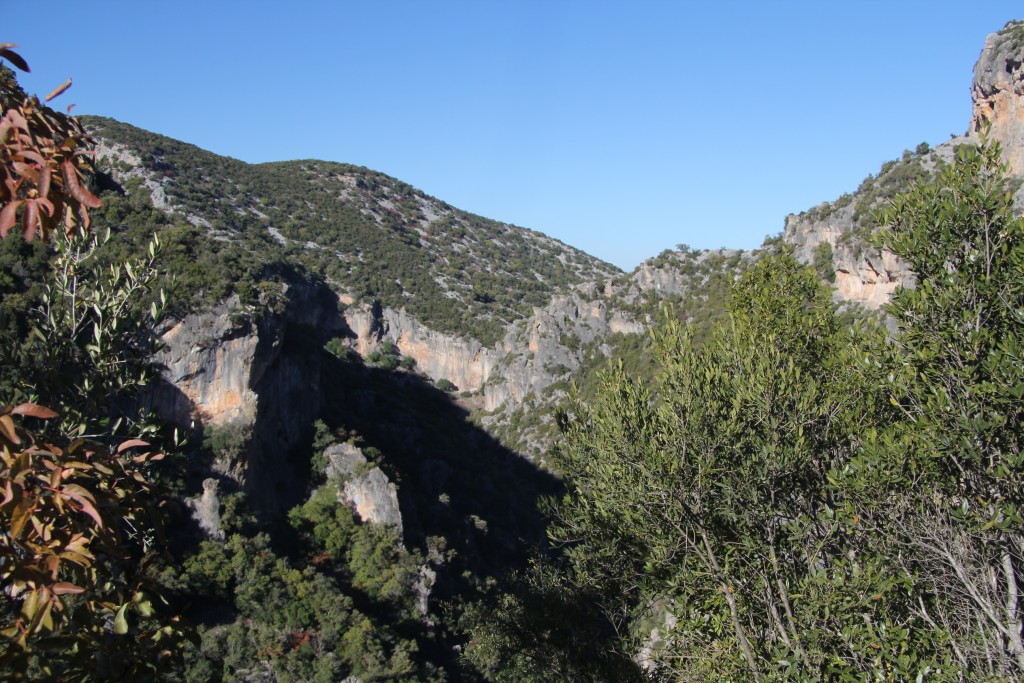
[859,273]
[998,92]
[363,487]
[228,368]
[867,276]
[255,375]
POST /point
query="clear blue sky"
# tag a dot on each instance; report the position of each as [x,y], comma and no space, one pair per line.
[622,128]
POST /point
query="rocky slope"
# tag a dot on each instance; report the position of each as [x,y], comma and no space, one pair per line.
[375,239]
[218,359]
[997,92]
[837,231]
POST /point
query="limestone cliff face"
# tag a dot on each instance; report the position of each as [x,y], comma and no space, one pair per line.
[209,358]
[229,369]
[863,275]
[464,362]
[544,348]
[867,276]
[998,92]
[534,353]
[365,488]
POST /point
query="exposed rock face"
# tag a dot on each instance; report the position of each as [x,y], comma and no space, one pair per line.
[206,511]
[209,358]
[221,369]
[464,362]
[530,357]
[863,275]
[366,488]
[668,274]
[998,92]
[540,350]
[869,277]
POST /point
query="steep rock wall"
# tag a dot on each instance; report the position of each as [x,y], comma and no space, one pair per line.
[228,368]
[208,358]
[534,353]
[464,362]
[868,276]
[997,92]
[863,275]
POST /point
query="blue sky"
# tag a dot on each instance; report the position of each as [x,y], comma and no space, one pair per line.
[622,128]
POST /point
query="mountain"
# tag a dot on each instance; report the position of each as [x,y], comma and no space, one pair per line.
[372,237]
[507,316]
[341,341]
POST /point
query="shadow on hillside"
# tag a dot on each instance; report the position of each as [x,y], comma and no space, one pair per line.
[454,480]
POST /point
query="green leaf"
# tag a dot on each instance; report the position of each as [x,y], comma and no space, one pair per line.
[121,620]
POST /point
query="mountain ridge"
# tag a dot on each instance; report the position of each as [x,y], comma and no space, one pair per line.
[510,317]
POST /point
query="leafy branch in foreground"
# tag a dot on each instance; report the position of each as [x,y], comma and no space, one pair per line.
[80,521]
[44,161]
[81,528]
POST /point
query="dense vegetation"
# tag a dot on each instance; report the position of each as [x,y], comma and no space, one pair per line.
[758,490]
[797,500]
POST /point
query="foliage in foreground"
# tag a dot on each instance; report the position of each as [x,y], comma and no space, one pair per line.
[80,519]
[794,500]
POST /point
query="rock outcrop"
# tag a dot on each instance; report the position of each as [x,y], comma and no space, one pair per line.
[365,488]
[534,353]
[255,375]
[867,276]
[998,92]
[209,359]
[862,274]
[206,511]
[464,362]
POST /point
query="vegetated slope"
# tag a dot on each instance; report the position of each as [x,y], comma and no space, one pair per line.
[573,339]
[374,238]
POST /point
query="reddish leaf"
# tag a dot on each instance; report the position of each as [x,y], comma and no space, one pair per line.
[29,221]
[34,410]
[85,499]
[65,588]
[8,430]
[77,191]
[59,89]
[13,57]
[44,184]
[9,216]
[131,443]
[29,171]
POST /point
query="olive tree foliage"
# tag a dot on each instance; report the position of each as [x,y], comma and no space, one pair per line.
[961,389]
[91,345]
[78,515]
[795,500]
[714,502]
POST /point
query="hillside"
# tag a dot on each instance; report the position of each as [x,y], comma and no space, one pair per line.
[385,399]
[375,239]
[507,317]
